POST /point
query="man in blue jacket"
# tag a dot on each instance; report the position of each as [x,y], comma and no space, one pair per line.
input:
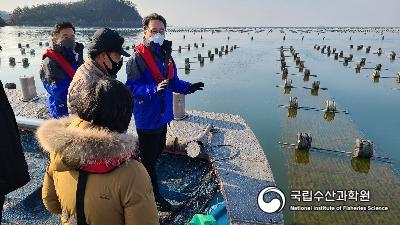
[152,77]
[58,67]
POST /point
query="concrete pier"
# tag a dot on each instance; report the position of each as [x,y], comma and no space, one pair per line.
[236,156]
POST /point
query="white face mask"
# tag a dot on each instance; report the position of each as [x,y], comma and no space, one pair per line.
[158,38]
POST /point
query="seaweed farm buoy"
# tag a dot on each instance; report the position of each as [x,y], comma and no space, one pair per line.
[301,67]
[368,49]
[293,103]
[357,66]
[22,51]
[376,74]
[11,60]
[362,62]
[359,47]
[345,61]
[284,71]
[392,55]
[201,61]
[341,54]
[398,77]
[28,88]
[297,61]
[304,141]
[363,149]
[25,62]
[32,51]
[10,86]
[315,85]
[288,83]
[307,72]
[330,106]
[351,57]
[187,67]
[211,57]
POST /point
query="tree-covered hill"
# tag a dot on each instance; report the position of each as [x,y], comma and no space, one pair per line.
[85,13]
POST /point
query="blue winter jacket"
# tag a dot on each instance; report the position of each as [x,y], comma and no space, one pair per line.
[56,81]
[152,110]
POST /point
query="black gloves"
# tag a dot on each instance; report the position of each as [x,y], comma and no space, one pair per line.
[196,87]
[79,48]
[167,48]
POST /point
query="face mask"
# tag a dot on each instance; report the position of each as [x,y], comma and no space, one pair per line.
[116,66]
[158,38]
[68,43]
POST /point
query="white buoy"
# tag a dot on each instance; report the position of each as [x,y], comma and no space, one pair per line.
[330,106]
[376,74]
[179,106]
[28,88]
[304,141]
[288,83]
[293,103]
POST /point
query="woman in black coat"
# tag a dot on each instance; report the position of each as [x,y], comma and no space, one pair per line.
[13,168]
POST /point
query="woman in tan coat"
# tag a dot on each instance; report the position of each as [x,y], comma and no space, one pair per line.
[93,176]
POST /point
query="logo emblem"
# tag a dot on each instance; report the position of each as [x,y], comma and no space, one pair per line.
[276,204]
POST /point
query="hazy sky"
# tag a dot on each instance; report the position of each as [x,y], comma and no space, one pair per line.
[261,12]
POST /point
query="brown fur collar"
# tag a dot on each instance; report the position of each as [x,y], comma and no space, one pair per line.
[76,146]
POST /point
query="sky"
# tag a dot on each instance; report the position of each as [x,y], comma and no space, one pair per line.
[213,13]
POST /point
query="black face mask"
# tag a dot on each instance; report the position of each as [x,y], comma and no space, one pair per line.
[116,66]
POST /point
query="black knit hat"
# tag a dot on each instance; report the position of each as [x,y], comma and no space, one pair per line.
[106,40]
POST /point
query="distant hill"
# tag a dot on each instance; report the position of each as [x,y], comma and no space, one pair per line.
[2,23]
[85,13]
[4,15]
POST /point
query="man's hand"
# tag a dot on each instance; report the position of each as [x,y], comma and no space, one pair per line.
[196,87]
[79,48]
[162,85]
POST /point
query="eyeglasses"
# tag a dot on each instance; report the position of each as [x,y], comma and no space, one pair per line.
[155,31]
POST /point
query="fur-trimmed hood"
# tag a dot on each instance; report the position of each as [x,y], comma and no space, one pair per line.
[74,143]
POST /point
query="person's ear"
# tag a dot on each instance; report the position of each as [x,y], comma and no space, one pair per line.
[54,39]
